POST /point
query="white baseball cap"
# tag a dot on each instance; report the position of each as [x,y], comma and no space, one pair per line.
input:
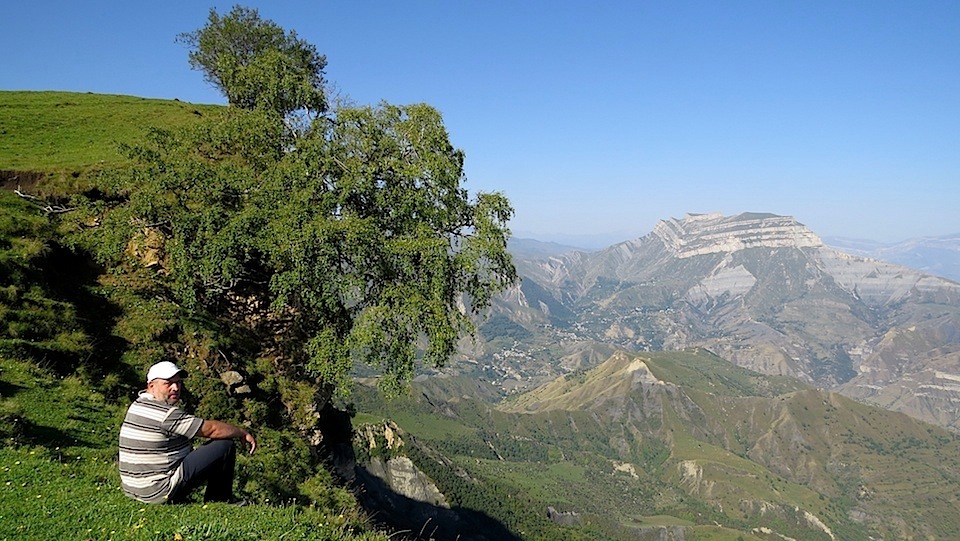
[164,370]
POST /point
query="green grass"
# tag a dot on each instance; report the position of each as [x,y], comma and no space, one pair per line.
[433,428]
[701,370]
[59,478]
[662,520]
[57,131]
[73,493]
[365,418]
[554,483]
[719,533]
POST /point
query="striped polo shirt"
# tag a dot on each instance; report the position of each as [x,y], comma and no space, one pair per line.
[154,439]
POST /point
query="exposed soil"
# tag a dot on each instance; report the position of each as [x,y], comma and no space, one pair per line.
[25,181]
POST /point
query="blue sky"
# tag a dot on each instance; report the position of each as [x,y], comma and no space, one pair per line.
[597,119]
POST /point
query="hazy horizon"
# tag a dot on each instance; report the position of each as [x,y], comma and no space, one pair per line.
[595,241]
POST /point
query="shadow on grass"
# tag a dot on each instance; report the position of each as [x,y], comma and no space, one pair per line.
[73,277]
[8,389]
[51,437]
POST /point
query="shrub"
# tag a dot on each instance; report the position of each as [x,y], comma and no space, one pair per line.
[274,473]
[323,491]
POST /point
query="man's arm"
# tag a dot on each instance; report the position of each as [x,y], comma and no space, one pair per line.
[218,430]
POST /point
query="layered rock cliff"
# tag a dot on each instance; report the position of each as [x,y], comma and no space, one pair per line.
[700,234]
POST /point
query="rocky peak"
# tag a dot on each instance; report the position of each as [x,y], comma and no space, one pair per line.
[698,234]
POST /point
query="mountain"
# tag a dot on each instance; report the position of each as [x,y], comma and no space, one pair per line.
[721,424]
[568,417]
[534,249]
[680,445]
[939,256]
[586,242]
[760,290]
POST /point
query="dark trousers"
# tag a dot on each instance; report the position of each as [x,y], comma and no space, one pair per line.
[212,463]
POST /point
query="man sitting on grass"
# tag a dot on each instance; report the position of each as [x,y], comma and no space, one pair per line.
[157,461]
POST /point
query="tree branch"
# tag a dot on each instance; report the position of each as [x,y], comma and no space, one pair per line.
[48,208]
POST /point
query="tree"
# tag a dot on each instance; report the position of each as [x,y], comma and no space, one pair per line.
[357,243]
[255,63]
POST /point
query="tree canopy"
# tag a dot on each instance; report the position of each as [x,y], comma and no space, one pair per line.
[255,63]
[351,240]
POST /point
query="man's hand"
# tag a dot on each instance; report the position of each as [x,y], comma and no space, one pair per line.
[218,430]
[250,441]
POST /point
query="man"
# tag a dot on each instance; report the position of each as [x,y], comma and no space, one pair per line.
[157,461]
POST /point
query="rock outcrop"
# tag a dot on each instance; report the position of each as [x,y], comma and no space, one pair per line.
[404,478]
[700,234]
[402,495]
[568,519]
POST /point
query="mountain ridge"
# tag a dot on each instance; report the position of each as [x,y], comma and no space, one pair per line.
[760,290]
[687,435]
[798,435]
[699,234]
[937,255]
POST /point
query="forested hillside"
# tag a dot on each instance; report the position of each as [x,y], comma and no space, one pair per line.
[680,444]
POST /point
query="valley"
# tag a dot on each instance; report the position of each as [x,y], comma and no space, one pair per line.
[722,374]
[689,436]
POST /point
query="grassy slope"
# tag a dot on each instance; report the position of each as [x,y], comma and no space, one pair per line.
[58,472]
[59,480]
[54,131]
